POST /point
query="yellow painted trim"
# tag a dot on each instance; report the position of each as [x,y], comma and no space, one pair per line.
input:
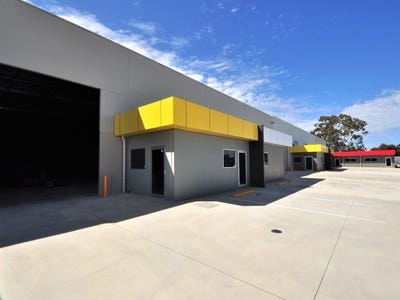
[176,113]
[197,117]
[285,182]
[150,116]
[219,122]
[117,129]
[309,148]
[248,192]
[235,126]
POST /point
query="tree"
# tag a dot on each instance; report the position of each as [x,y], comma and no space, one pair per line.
[341,132]
[388,147]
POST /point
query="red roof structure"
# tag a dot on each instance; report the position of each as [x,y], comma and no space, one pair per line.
[365,153]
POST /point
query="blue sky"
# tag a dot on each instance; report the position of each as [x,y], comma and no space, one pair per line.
[297,59]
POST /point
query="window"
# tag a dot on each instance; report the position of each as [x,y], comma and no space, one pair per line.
[350,160]
[138,158]
[265,158]
[371,159]
[229,158]
[298,159]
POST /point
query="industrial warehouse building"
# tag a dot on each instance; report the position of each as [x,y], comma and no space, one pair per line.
[309,157]
[372,158]
[78,107]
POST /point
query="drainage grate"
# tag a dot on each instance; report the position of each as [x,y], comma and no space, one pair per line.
[206,204]
[276,231]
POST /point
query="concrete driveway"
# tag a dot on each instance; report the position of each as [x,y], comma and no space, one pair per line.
[340,239]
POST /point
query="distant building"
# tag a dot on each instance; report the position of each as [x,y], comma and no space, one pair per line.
[309,157]
[372,158]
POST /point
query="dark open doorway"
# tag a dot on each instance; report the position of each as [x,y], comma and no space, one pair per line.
[309,163]
[337,162]
[242,168]
[158,171]
[49,130]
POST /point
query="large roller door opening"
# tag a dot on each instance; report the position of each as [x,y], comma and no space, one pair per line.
[49,131]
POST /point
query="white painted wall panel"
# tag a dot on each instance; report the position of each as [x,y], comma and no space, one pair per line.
[276,137]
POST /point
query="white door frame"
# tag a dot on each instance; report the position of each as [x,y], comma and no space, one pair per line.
[245,167]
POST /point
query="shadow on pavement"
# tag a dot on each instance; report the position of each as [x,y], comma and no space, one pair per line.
[53,212]
[49,212]
[272,192]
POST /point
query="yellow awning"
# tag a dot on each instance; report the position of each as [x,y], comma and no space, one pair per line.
[176,113]
[309,148]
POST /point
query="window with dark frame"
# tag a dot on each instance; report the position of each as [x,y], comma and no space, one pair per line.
[265,158]
[350,160]
[298,159]
[371,159]
[229,158]
[138,158]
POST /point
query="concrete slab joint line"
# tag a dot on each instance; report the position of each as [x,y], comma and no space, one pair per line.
[200,262]
[336,243]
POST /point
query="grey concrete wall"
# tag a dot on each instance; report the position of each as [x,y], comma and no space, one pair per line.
[35,40]
[277,163]
[318,161]
[139,180]
[193,163]
[381,163]
[199,166]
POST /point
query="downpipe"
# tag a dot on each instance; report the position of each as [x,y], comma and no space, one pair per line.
[123,164]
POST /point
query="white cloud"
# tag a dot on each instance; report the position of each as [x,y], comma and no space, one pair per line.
[177,42]
[252,85]
[208,29]
[381,113]
[227,49]
[132,41]
[148,28]
[234,10]
[217,64]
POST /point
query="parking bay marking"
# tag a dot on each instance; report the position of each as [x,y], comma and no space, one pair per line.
[311,211]
[328,214]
